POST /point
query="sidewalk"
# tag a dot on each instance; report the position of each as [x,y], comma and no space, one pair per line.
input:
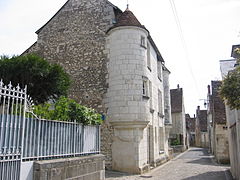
[196,164]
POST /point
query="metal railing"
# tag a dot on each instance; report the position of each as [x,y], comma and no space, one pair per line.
[45,139]
[25,137]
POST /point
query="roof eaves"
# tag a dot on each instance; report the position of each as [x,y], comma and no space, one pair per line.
[51,18]
[29,48]
[115,7]
[159,56]
[166,69]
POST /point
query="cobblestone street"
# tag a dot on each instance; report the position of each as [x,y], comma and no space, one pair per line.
[194,164]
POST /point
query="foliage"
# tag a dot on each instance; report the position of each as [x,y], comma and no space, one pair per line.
[44,81]
[66,109]
[175,142]
[230,89]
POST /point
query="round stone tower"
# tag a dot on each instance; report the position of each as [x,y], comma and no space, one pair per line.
[127,98]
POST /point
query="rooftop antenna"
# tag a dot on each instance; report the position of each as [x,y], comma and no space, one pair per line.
[127,5]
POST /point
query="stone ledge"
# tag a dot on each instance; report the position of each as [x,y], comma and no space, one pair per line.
[87,167]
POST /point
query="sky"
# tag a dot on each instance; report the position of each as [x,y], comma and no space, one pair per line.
[209,28]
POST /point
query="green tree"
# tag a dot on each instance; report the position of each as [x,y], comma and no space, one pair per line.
[44,81]
[230,89]
[65,109]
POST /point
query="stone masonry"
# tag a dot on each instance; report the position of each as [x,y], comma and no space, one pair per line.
[90,167]
[75,38]
[117,69]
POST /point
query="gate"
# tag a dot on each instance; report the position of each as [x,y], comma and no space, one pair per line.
[12,116]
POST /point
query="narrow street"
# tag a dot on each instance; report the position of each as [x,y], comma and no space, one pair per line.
[194,164]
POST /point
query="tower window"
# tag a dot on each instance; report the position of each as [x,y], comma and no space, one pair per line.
[145,87]
[143,41]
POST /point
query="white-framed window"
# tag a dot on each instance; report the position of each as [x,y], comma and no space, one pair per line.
[148,57]
[143,42]
[145,88]
[160,106]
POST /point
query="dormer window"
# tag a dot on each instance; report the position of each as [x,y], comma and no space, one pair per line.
[143,42]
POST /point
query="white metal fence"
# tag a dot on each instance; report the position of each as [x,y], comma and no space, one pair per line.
[25,137]
[45,139]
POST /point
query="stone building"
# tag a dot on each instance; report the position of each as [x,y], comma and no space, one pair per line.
[233,120]
[118,70]
[217,124]
[201,134]
[190,128]
[178,131]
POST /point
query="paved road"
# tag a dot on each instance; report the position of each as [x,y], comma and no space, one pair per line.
[195,164]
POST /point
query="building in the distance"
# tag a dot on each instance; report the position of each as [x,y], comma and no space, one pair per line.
[190,128]
[118,70]
[201,134]
[217,124]
[178,131]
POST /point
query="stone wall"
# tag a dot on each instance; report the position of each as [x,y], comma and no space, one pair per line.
[75,38]
[221,142]
[89,167]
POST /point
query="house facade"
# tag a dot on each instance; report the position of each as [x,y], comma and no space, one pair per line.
[178,131]
[233,119]
[190,128]
[118,70]
[217,124]
[201,134]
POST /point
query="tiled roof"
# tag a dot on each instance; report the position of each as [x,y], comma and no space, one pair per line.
[176,100]
[219,114]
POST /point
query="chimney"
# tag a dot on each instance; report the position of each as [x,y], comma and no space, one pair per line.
[198,111]
[178,86]
[194,116]
[209,90]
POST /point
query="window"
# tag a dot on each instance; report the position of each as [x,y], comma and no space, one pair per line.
[159,70]
[145,89]
[143,41]
[150,95]
[148,57]
[160,111]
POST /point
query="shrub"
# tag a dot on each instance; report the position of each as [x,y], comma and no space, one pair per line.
[66,109]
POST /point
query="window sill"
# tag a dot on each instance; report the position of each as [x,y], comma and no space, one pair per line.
[143,46]
[146,97]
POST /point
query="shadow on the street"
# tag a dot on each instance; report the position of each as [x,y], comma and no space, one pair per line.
[203,161]
[213,175]
[110,174]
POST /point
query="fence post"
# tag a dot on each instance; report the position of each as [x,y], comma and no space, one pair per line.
[23,125]
[74,138]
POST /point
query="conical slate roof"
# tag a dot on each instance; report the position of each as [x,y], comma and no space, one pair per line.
[127,18]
